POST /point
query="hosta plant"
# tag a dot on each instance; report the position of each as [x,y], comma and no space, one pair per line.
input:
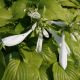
[39,40]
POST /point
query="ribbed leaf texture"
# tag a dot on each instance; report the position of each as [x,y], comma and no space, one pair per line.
[22,62]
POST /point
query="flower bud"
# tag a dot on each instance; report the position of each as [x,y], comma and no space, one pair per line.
[45,33]
[39,43]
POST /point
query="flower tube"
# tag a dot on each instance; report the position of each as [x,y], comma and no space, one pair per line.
[63,53]
[58,23]
[39,42]
[16,39]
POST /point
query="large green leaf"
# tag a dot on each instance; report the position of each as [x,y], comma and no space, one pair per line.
[68,3]
[19,28]
[74,46]
[54,10]
[5,16]
[77,2]
[43,72]
[2,4]
[2,64]
[25,67]
[69,74]
[32,58]
[5,29]
[15,71]
[18,9]
[48,52]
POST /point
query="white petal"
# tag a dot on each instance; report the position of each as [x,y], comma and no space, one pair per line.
[63,54]
[16,39]
[57,38]
[34,26]
[39,43]
[58,23]
[45,33]
[73,37]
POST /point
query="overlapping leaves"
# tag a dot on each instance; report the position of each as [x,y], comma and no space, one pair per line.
[27,64]
[69,74]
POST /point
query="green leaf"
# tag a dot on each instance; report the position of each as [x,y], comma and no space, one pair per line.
[2,64]
[19,28]
[2,4]
[18,9]
[74,46]
[68,3]
[24,67]
[69,74]
[77,2]
[3,22]
[32,58]
[4,29]
[48,53]
[43,73]
[5,16]
[15,71]
[54,10]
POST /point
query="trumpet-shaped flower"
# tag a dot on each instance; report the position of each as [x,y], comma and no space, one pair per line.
[58,39]
[64,50]
[39,42]
[16,39]
[63,53]
[58,23]
[45,33]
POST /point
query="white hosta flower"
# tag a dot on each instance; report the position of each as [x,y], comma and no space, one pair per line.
[45,33]
[58,39]
[34,14]
[39,43]
[16,39]
[64,50]
[63,53]
[58,23]
[73,37]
